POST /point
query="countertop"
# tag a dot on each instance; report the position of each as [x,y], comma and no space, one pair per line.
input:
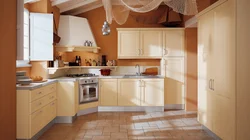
[33,86]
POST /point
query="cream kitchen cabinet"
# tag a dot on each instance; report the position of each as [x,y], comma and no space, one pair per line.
[173,40]
[129,92]
[140,92]
[128,44]
[108,92]
[35,109]
[174,72]
[223,35]
[151,44]
[138,43]
[152,92]
[67,98]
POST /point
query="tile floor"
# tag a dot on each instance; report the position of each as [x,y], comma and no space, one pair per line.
[169,125]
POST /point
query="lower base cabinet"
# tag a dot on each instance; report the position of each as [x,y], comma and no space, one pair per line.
[140,92]
[35,109]
[108,92]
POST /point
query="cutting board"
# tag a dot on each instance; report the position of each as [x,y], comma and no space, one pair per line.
[151,71]
[45,80]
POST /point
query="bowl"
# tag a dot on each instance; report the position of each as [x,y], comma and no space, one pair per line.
[105,72]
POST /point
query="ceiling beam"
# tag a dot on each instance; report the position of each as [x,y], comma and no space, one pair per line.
[77,5]
[79,11]
[58,2]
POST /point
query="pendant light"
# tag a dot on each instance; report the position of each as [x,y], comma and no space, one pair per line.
[105,28]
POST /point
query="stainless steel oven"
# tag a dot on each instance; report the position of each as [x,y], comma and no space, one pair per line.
[88,90]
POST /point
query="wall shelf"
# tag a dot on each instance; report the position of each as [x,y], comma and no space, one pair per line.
[93,49]
[84,67]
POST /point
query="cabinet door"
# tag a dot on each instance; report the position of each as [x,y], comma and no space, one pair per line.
[224,75]
[108,92]
[37,121]
[174,42]
[41,36]
[50,112]
[174,81]
[152,92]
[128,92]
[67,98]
[128,44]
[205,53]
[151,44]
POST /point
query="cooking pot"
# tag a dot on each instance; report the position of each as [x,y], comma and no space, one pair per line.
[105,72]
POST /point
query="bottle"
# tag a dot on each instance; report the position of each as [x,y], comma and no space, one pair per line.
[79,61]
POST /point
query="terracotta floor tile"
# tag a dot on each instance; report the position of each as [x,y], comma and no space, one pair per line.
[168,125]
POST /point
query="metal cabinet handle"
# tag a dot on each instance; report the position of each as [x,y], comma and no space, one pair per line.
[139,52]
[213,84]
[165,51]
[210,83]
[39,92]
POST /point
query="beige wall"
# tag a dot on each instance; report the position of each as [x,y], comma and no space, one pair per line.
[8,44]
[191,68]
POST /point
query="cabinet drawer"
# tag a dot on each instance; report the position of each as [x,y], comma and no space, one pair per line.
[50,97]
[37,121]
[36,94]
[50,111]
[38,104]
[50,88]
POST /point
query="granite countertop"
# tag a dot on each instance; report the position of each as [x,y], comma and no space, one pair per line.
[33,86]
[132,77]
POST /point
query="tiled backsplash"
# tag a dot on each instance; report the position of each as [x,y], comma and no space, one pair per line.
[119,70]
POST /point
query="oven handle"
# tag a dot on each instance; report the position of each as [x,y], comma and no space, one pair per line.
[89,86]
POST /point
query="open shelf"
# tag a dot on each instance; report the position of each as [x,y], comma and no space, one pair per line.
[93,49]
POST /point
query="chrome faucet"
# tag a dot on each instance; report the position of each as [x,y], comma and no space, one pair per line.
[138,72]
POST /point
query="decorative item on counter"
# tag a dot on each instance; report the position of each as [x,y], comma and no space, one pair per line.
[109,63]
[79,60]
[113,62]
[104,60]
[51,63]
[58,62]
[94,63]
[105,72]
[87,63]
[99,63]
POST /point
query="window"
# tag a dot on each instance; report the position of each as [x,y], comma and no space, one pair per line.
[23,35]
[26,35]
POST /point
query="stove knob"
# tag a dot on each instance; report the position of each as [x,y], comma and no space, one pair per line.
[85,81]
[92,81]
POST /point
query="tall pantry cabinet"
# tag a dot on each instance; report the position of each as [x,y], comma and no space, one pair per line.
[223,69]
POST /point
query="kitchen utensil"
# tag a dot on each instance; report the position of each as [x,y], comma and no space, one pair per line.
[105,72]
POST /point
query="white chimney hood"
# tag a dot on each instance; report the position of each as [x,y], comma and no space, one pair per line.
[74,31]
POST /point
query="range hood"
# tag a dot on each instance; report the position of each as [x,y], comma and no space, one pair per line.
[74,32]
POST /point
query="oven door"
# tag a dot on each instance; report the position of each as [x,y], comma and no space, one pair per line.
[88,93]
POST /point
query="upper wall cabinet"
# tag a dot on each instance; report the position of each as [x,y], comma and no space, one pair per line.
[41,37]
[173,42]
[150,43]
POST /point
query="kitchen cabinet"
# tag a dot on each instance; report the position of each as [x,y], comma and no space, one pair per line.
[217,71]
[150,43]
[35,109]
[173,42]
[152,92]
[128,44]
[140,43]
[108,92]
[140,92]
[128,92]
[174,72]
[67,98]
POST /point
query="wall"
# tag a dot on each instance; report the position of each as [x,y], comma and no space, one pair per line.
[7,69]
[108,44]
[191,69]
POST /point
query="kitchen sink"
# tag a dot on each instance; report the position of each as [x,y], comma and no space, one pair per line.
[141,76]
